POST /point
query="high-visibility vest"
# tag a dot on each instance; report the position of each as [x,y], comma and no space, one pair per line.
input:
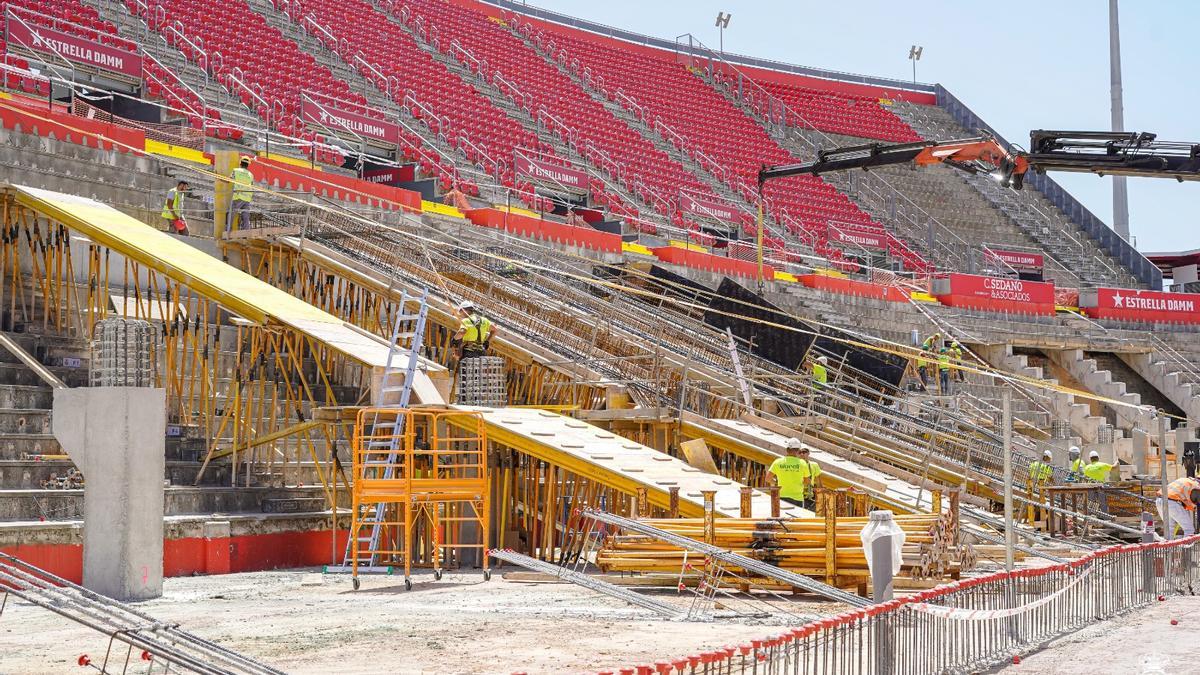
[1041,472]
[1097,472]
[171,205]
[820,374]
[944,362]
[476,329]
[1180,490]
[242,180]
[1075,465]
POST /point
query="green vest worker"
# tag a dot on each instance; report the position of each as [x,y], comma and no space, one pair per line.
[1075,468]
[474,332]
[796,475]
[173,208]
[1095,470]
[239,205]
[1042,472]
[820,373]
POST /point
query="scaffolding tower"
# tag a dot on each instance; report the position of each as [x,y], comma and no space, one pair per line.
[420,492]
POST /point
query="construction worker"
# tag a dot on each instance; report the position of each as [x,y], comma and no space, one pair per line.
[1095,470]
[796,475]
[474,333]
[173,207]
[1042,472]
[924,366]
[956,353]
[243,193]
[454,197]
[820,372]
[1182,495]
[1075,468]
[944,370]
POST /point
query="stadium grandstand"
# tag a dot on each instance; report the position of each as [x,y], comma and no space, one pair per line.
[308,303]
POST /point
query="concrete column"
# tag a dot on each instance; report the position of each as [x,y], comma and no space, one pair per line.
[116,436]
[1141,452]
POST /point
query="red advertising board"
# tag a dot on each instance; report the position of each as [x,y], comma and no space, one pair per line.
[1151,306]
[705,207]
[393,175]
[861,238]
[550,173]
[970,291]
[73,47]
[1018,259]
[337,120]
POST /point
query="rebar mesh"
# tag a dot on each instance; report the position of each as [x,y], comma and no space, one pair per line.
[122,354]
[481,382]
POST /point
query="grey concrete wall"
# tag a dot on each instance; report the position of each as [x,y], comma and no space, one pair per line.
[116,436]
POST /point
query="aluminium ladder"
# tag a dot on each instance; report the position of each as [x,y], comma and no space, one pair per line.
[395,390]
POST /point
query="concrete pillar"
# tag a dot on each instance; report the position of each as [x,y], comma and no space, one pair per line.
[116,436]
[224,162]
[1141,451]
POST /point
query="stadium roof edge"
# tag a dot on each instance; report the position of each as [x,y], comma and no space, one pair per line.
[736,59]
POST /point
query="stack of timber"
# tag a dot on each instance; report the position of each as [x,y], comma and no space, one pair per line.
[825,547]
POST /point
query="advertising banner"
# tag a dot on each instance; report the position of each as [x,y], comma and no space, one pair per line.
[340,121]
[876,240]
[1134,305]
[73,47]
[703,207]
[996,294]
[1018,259]
[550,173]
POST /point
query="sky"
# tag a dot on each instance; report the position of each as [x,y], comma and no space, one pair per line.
[1019,64]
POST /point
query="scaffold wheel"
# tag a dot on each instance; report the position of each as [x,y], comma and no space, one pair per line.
[354,582]
[407,584]
[437,575]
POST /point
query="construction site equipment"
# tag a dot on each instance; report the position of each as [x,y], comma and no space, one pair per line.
[973,625]
[420,489]
[481,382]
[828,548]
[158,643]
[1103,153]
[592,518]
[122,352]
[394,389]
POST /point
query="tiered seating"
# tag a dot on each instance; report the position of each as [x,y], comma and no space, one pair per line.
[838,113]
[68,16]
[668,91]
[463,116]
[270,67]
[647,171]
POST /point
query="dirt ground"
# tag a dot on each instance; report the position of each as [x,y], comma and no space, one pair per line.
[306,622]
[1142,642]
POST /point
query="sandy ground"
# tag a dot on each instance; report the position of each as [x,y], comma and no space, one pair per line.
[1142,642]
[305,622]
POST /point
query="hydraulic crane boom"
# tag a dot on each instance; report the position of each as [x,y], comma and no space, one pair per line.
[1101,153]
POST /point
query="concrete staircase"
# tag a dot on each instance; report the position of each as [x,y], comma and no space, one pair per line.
[1044,223]
[1057,405]
[1176,381]
[1101,382]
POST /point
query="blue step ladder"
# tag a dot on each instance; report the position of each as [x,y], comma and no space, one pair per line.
[395,391]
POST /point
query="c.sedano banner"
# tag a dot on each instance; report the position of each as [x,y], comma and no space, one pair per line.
[338,120]
[994,293]
[1017,259]
[1125,304]
[550,173]
[20,32]
[704,207]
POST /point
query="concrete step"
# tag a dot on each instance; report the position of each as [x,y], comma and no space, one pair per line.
[35,504]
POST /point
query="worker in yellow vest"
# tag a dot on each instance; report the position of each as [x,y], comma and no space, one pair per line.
[475,331]
[1041,473]
[956,353]
[924,367]
[820,372]
[243,194]
[944,371]
[1095,470]
[1075,468]
[1182,495]
[796,475]
[173,207]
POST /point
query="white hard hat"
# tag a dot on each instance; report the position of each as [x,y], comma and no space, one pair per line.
[1074,450]
[1047,454]
[1093,455]
[466,305]
[823,359]
[793,443]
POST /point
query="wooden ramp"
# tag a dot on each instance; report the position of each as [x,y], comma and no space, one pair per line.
[617,462]
[242,294]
